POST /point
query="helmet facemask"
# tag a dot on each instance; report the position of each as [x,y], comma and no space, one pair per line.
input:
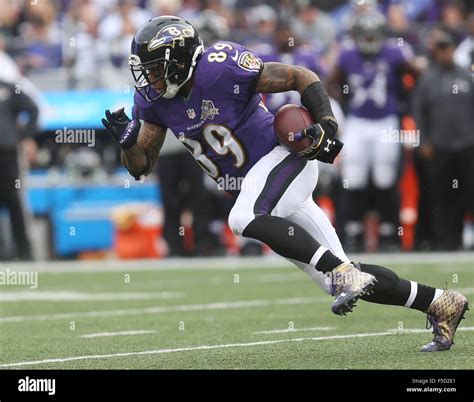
[170,71]
[370,42]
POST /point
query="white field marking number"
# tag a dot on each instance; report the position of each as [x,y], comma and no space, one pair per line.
[219,56]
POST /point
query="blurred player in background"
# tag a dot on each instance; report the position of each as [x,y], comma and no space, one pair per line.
[464,54]
[288,49]
[366,80]
[182,187]
[13,103]
[210,99]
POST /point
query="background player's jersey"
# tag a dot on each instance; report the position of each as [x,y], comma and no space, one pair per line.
[222,122]
[373,81]
[303,56]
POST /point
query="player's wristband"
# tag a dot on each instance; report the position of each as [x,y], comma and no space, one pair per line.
[316,100]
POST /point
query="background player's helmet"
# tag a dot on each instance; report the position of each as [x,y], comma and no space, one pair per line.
[211,26]
[170,47]
[369,31]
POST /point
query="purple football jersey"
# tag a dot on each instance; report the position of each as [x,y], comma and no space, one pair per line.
[373,82]
[222,122]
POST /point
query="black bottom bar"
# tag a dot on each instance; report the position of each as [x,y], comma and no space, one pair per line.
[144,385]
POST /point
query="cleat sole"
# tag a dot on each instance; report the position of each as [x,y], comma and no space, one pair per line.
[346,305]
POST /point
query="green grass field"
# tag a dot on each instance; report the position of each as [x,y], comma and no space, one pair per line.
[227,315]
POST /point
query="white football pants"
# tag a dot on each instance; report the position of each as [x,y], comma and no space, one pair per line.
[282,184]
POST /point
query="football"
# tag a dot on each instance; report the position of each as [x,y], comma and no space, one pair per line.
[290,120]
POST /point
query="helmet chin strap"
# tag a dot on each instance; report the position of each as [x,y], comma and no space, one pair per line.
[172,89]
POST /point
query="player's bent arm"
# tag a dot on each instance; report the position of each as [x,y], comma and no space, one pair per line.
[140,158]
[279,77]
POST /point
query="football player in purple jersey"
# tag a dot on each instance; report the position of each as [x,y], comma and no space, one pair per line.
[210,99]
[366,79]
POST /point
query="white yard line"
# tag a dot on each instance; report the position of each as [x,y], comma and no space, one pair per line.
[420,331]
[170,264]
[168,309]
[288,330]
[120,333]
[65,295]
[226,263]
[211,347]
[191,349]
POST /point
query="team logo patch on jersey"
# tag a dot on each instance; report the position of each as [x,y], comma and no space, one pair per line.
[191,113]
[250,62]
[208,110]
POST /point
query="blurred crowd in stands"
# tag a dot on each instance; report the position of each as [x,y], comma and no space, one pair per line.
[89,38]
[84,44]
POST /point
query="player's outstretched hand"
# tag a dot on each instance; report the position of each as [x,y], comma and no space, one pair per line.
[124,130]
[325,146]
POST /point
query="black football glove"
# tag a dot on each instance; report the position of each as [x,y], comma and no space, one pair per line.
[124,130]
[325,146]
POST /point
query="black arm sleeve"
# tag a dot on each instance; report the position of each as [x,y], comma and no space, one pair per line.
[316,100]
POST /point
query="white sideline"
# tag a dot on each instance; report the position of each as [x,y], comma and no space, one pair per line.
[168,309]
[66,295]
[288,330]
[190,349]
[226,263]
[119,333]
